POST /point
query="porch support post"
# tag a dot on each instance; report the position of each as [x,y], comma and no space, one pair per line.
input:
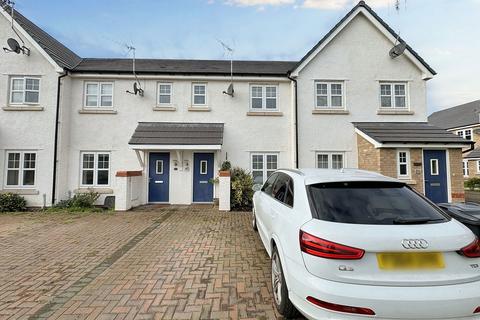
[224,191]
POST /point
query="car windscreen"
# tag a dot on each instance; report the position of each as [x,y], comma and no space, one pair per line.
[379,203]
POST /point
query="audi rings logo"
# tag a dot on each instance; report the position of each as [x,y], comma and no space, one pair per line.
[415,243]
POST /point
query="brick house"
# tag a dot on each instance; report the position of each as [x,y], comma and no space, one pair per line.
[69,126]
[464,121]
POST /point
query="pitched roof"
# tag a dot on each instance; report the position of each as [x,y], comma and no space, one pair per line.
[63,56]
[459,116]
[381,21]
[408,133]
[475,153]
[177,133]
[173,66]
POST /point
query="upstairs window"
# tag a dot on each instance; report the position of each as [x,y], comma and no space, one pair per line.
[466,134]
[95,169]
[393,95]
[21,169]
[199,94]
[24,90]
[329,95]
[98,94]
[330,160]
[263,97]
[165,93]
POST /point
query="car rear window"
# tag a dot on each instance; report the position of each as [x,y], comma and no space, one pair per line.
[382,203]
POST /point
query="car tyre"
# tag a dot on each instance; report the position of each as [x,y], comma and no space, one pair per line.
[280,291]
[254,221]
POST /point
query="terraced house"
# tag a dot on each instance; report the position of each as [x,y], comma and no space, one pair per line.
[68,124]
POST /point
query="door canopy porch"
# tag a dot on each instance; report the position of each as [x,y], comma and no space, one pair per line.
[177,136]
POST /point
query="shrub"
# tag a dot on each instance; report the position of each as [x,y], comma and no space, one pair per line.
[79,202]
[472,183]
[226,166]
[10,202]
[241,189]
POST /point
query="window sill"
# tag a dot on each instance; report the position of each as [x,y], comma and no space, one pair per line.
[24,192]
[99,111]
[265,113]
[164,108]
[23,108]
[200,108]
[408,181]
[394,112]
[330,111]
[99,190]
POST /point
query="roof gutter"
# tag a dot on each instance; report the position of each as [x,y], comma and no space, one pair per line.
[55,143]
[295,120]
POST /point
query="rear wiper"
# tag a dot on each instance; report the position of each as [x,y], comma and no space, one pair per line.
[418,220]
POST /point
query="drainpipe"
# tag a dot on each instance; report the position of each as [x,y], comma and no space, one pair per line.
[295,119]
[55,143]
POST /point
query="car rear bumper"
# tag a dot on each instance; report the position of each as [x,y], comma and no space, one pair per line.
[434,302]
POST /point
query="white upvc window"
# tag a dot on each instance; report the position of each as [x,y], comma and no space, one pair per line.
[98,94]
[263,165]
[164,93]
[199,94]
[394,95]
[466,172]
[329,95]
[94,169]
[466,134]
[24,90]
[263,97]
[478,166]
[403,164]
[20,169]
[330,160]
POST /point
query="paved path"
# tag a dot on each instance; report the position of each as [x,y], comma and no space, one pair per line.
[162,263]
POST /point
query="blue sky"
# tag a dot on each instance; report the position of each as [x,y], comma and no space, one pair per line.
[444,32]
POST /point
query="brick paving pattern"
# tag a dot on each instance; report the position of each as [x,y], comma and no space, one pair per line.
[160,263]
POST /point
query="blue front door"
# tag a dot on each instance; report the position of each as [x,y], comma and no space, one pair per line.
[159,177]
[435,166]
[202,175]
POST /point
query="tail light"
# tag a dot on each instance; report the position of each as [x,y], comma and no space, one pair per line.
[472,250]
[340,308]
[327,249]
[477,310]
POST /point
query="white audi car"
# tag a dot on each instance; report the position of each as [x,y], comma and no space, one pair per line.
[352,244]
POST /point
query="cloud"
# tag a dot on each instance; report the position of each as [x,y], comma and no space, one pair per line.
[261,3]
[343,4]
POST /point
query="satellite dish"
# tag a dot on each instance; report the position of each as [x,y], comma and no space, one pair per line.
[398,50]
[14,45]
[136,89]
[230,90]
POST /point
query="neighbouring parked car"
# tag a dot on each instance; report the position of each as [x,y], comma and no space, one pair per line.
[466,213]
[349,244]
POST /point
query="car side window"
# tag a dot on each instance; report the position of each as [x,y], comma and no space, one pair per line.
[267,187]
[289,195]
[280,187]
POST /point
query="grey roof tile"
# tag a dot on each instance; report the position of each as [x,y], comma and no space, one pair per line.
[475,153]
[459,116]
[177,133]
[63,56]
[408,132]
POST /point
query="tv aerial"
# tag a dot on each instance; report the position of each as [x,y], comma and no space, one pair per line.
[137,87]
[13,45]
[400,46]
[229,51]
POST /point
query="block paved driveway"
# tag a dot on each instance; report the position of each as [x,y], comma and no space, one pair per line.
[155,263]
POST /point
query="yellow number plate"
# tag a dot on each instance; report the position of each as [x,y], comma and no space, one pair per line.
[410,260]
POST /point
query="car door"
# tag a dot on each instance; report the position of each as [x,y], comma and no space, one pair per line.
[278,207]
[263,207]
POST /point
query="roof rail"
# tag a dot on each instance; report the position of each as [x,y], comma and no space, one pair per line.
[299,172]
